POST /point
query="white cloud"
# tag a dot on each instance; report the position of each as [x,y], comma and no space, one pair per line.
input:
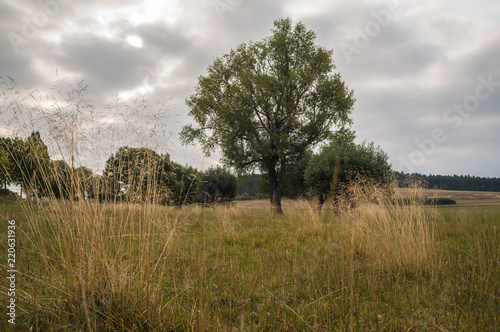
[135,41]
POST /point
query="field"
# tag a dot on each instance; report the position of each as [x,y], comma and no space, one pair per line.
[111,267]
[461,197]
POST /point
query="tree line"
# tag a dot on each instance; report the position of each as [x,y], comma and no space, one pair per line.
[137,175]
[141,175]
[450,182]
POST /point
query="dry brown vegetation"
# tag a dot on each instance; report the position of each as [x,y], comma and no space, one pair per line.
[461,197]
[133,267]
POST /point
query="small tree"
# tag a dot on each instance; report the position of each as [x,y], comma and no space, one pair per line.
[185,185]
[219,185]
[266,103]
[30,165]
[139,173]
[337,165]
[143,175]
[5,164]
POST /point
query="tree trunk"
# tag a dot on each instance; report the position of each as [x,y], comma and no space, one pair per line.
[275,190]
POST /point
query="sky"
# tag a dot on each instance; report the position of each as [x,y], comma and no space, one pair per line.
[425,74]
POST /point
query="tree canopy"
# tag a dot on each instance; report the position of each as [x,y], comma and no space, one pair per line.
[26,162]
[218,185]
[143,175]
[337,165]
[266,103]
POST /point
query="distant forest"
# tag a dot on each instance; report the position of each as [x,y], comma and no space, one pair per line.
[251,187]
[450,182]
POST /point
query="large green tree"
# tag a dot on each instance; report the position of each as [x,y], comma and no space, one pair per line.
[266,103]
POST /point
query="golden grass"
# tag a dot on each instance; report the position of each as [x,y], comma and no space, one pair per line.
[388,235]
[106,262]
[130,267]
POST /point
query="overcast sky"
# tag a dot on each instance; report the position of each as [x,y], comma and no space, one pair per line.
[426,74]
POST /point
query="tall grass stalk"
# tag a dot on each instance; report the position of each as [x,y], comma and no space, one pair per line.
[394,235]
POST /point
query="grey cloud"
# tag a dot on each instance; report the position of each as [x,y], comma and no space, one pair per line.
[106,65]
[162,40]
[409,75]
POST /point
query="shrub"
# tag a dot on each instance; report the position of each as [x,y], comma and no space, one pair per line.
[7,192]
[440,201]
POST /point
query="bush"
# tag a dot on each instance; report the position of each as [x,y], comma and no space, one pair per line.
[244,197]
[439,201]
[7,192]
[425,201]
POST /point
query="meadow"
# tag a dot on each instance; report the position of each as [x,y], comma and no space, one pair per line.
[88,266]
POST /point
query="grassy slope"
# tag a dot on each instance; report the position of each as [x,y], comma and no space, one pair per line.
[124,267]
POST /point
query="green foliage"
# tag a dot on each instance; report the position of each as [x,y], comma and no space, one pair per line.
[247,185]
[143,175]
[5,164]
[72,183]
[219,185]
[134,172]
[184,186]
[266,103]
[26,162]
[244,197]
[363,160]
[61,181]
[294,184]
[423,201]
[7,192]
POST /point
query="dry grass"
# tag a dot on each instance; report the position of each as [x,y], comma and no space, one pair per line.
[104,263]
[395,236]
[103,267]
